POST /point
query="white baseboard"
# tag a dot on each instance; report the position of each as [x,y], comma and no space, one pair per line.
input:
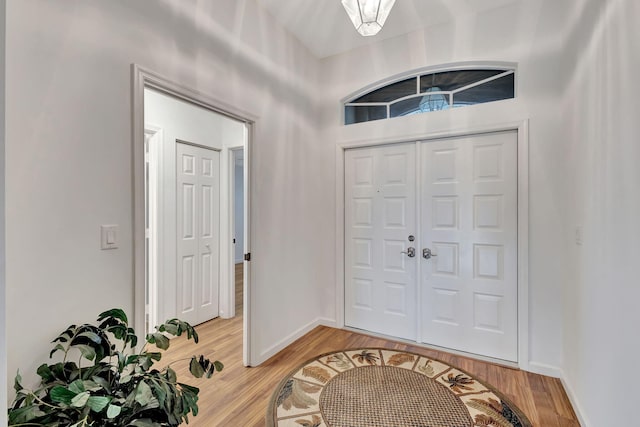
[286,341]
[582,419]
[324,321]
[543,369]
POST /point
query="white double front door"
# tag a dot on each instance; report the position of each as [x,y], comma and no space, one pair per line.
[457,199]
[198,243]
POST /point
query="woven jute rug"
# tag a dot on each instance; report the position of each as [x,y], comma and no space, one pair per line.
[376,387]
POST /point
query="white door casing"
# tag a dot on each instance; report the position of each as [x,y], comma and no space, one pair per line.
[469,221]
[198,240]
[380,215]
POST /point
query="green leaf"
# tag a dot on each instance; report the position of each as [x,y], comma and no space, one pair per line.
[45,373]
[143,393]
[17,383]
[172,329]
[58,347]
[91,385]
[132,338]
[113,411]
[98,403]
[218,365]
[92,336]
[116,313]
[144,422]
[159,391]
[195,368]
[66,335]
[171,375]
[87,352]
[77,387]
[189,388]
[61,394]
[80,400]
[24,415]
[161,341]
[103,383]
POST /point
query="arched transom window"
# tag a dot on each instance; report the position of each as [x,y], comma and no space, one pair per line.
[434,91]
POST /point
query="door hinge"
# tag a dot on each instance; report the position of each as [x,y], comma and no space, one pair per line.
[247,256]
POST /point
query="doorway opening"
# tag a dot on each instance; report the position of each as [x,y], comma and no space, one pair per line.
[187,219]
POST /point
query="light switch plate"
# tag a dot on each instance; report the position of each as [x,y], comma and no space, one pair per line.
[108,237]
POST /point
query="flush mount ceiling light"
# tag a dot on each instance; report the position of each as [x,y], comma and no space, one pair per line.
[368,16]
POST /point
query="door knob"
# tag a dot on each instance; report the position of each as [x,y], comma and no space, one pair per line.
[411,252]
[426,253]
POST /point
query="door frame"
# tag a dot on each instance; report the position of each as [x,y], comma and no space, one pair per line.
[522,129]
[141,79]
[154,136]
[231,297]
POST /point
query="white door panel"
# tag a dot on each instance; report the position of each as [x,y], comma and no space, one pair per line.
[469,220]
[198,210]
[380,215]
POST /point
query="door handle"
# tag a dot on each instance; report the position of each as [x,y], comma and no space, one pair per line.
[426,253]
[411,252]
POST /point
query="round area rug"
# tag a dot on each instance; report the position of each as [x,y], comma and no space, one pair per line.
[377,387]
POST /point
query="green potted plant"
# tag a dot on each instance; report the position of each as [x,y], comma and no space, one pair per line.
[107,384]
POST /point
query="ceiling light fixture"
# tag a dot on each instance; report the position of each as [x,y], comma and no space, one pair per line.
[368,16]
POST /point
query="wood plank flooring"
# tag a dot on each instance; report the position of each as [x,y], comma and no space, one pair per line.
[238,396]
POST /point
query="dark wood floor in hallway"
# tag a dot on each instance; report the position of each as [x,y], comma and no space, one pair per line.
[238,396]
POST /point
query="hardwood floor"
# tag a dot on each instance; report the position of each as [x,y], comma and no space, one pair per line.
[238,396]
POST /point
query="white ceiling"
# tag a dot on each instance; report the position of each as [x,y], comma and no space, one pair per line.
[324,27]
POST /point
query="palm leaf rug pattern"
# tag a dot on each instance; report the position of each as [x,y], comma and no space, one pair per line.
[297,401]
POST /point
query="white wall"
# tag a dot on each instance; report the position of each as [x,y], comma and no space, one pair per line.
[531,35]
[180,120]
[238,209]
[69,156]
[601,122]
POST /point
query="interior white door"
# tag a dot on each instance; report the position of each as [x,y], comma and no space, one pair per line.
[198,218]
[469,222]
[380,215]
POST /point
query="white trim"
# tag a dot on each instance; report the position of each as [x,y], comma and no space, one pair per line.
[523,218]
[523,245]
[226,289]
[340,267]
[544,369]
[141,79]
[154,138]
[573,398]
[230,303]
[247,290]
[298,333]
